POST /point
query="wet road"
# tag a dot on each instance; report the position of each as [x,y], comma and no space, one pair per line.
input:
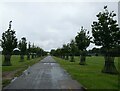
[47,74]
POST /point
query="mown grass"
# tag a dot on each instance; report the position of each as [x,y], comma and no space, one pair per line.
[17,67]
[90,75]
[16,64]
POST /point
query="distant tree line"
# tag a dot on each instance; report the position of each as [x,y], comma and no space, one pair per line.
[11,46]
[101,51]
[105,32]
[77,47]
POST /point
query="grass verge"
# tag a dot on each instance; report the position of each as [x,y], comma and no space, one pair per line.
[90,75]
[17,68]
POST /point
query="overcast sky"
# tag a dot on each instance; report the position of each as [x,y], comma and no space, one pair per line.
[50,25]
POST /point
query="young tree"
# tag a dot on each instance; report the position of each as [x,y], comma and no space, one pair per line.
[23,47]
[52,52]
[73,48]
[67,48]
[63,51]
[33,51]
[28,51]
[58,52]
[83,41]
[39,51]
[106,33]
[8,43]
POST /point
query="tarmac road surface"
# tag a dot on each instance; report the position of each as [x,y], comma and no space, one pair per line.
[47,74]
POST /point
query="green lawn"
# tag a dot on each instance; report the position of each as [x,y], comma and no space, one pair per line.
[90,75]
[16,64]
[17,67]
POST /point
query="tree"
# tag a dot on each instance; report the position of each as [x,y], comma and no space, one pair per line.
[63,51]
[23,47]
[67,51]
[8,43]
[28,51]
[33,51]
[39,51]
[52,52]
[83,41]
[72,50]
[58,52]
[106,33]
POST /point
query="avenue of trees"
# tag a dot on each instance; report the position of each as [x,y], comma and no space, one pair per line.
[10,43]
[74,48]
[105,32]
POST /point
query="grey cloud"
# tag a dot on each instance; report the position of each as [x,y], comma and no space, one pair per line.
[49,25]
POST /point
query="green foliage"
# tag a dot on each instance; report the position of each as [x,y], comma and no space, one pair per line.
[28,51]
[37,51]
[66,48]
[105,31]
[8,43]
[22,45]
[73,47]
[29,46]
[32,49]
[67,51]
[58,52]
[23,48]
[52,52]
[9,40]
[82,39]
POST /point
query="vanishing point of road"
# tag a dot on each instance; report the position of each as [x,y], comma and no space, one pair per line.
[47,74]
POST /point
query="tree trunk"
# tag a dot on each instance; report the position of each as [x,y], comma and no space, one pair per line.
[28,56]
[32,56]
[21,57]
[63,56]
[67,58]
[7,60]
[72,58]
[82,58]
[109,66]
